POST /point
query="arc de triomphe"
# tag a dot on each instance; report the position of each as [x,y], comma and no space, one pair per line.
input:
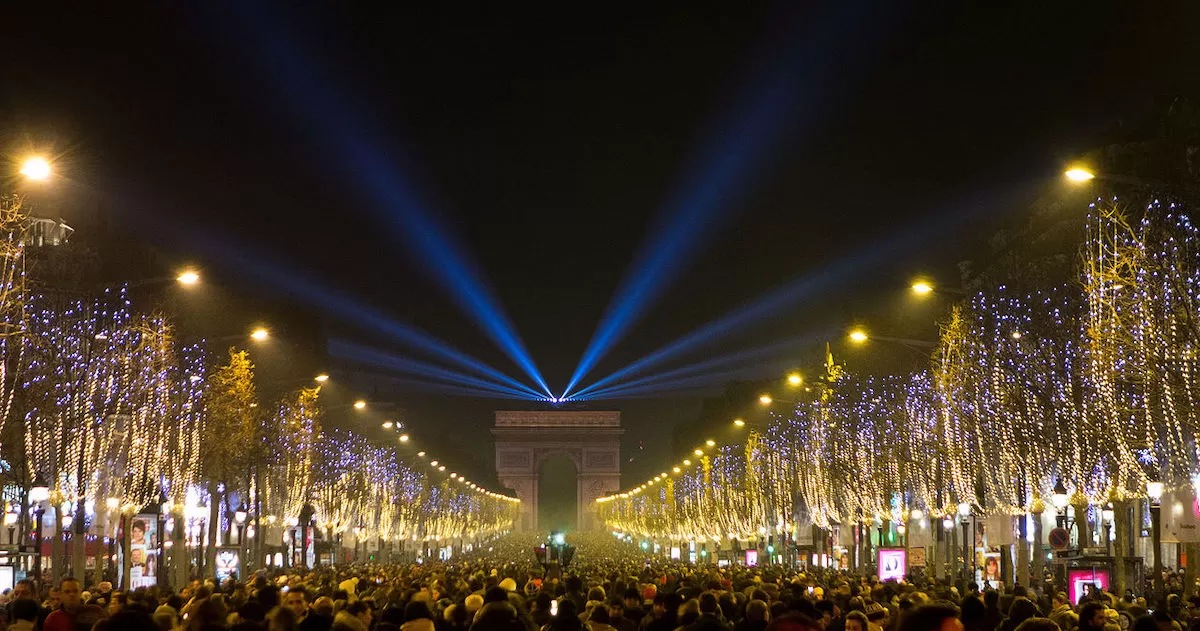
[591,439]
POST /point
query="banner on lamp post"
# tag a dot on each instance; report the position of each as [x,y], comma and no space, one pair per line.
[1180,518]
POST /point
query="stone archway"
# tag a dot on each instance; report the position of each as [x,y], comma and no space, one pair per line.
[591,439]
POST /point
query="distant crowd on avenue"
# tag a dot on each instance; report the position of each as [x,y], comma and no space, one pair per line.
[608,586]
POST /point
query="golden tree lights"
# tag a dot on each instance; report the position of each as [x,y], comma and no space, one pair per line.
[1093,383]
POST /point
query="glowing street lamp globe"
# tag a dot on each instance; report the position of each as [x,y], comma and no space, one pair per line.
[1059,497]
[36,168]
[858,336]
[40,491]
[1079,175]
[1155,490]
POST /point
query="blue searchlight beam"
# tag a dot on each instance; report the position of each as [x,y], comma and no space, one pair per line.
[316,98]
[793,69]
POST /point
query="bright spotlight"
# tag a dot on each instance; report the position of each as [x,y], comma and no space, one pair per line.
[795,379]
[360,404]
[404,438]
[765,399]
[260,334]
[36,168]
[737,422]
[322,378]
[188,278]
[1079,175]
[922,288]
[698,452]
[710,442]
[388,424]
[858,336]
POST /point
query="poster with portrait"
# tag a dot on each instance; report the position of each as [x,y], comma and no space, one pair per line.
[991,569]
[893,564]
[228,564]
[143,551]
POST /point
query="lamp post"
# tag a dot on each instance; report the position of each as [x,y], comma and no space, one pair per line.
[359,531]
[10,519]
[239,516]
[948,527]
[1107,515]
[38,493]
[1154,490]
[1060,499]
[964,511]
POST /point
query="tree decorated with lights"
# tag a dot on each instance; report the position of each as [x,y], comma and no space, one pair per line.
[296,429]
[1091,384]
[230,418]
[13,216]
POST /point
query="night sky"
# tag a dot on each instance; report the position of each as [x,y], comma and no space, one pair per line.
[551,143]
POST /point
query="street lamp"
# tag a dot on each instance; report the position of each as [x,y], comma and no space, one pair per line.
[795,379]
[1107,515]
[10,520]
[321,378]
[948,530]
[1154,490]
[260,334]
[359,531]
[765,399]
[737,422]
[239,516]
[1059,497]
[36,168]
[188,277]
[964,511]
[360,404]
[858,336]
[1078,174]
[38,493]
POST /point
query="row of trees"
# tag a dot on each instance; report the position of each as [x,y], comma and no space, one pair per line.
[103,405]
[1094,384]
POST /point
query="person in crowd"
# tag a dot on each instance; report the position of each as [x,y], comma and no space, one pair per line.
[567,618]
[72,613]
[417,617]
[757,617]
[856,621]
[23,614]
[1092,616]
[1019,611]
[616,616]
[933,617]
[320,618]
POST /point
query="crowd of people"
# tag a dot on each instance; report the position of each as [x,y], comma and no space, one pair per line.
[608,586]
